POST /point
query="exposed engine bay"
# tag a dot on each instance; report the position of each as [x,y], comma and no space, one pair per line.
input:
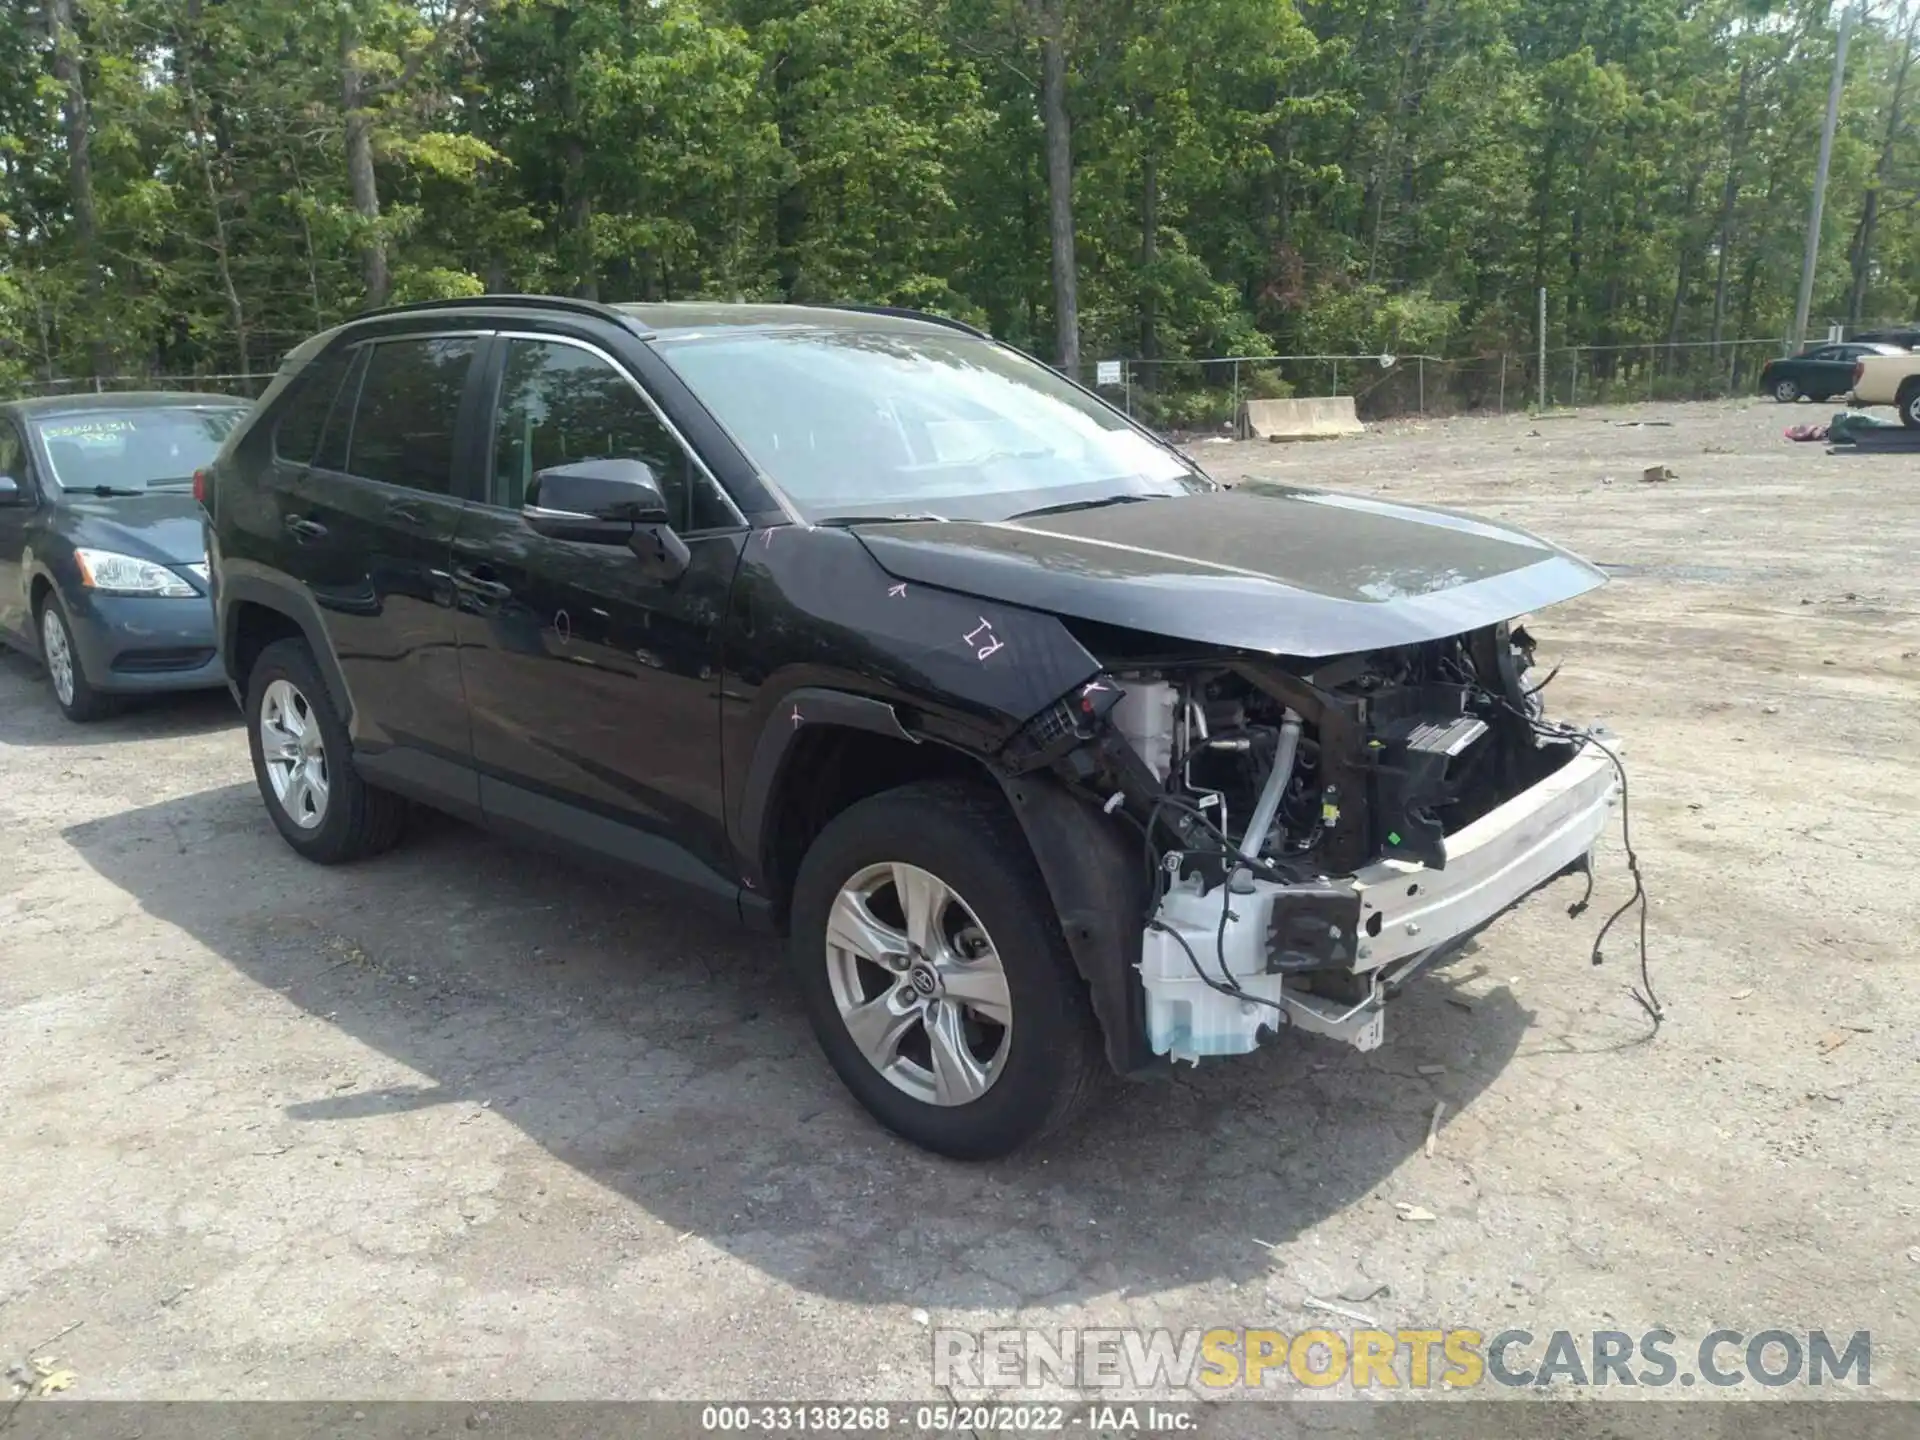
[1317,831]
[1379,755]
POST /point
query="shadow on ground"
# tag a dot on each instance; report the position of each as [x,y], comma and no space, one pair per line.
[37,720]
[662,1053]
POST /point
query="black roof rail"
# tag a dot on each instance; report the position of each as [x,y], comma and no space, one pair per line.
[900,312]
[502,302]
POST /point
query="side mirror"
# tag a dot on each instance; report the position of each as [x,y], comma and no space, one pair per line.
[607,502]
[611,493]
[10,491]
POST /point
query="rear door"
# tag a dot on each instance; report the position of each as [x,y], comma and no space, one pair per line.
[371,525]
[594,690]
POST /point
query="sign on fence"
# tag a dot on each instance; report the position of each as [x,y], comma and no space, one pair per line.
[1108,373]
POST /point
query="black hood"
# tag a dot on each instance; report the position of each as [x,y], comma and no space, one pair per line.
[160,525]
[1260,567]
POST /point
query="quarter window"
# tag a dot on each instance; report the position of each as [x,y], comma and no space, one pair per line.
[409,403]
[339,428]
[560,404]
[296,436]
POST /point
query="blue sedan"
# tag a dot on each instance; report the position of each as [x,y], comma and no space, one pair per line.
[103,570]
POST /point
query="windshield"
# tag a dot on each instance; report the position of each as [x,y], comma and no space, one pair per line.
[134,450]
[855,424]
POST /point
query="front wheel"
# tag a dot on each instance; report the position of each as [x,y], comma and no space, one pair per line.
[303,761]
[1786,391]
[1909,403]
[935,974]
[72,691]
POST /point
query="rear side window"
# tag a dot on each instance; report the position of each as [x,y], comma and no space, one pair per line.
[296,435]
[409,401]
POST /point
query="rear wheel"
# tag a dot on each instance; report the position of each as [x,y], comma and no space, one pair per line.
[1909,402]
[1786,391]
[77,698]
[935,973]
[303,762]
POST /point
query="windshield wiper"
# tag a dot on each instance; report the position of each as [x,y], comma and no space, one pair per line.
[909,515]
[1064,506]
[106,490]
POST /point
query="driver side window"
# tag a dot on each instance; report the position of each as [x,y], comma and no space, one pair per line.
[560,404]
[13,457]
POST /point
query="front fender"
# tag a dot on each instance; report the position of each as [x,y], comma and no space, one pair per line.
[52,561]
[813,613]
[814,600]
[811,705]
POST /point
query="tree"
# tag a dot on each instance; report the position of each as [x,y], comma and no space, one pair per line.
[1895,142]
[195,185]
[63,43]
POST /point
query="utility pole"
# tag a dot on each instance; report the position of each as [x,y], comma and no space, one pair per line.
[1812,257]
[1543,347]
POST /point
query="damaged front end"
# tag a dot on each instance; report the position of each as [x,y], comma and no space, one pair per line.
[1313,832]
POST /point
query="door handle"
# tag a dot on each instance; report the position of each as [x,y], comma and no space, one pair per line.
[304,529]
[405,513]
[483,586]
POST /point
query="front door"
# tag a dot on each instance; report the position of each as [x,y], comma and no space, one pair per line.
[594,689]
[371,526]
[15,513]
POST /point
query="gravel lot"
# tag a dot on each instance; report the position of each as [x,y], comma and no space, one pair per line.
[464,1122]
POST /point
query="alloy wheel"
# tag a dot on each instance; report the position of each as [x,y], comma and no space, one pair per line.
[59,653]
[919,984]
[1786,392]
[295,753]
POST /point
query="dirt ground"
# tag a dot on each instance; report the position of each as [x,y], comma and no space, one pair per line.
[465,1122]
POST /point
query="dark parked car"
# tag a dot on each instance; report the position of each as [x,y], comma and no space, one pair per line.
[1818,372]
[1903,337]
[1039,744]
[102,558]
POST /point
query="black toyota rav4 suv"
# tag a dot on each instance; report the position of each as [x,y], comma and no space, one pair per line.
[1049,754]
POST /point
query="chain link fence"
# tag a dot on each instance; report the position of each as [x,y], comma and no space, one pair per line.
[1206,394]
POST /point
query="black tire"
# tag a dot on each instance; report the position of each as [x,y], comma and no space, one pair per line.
[1909,402]
[1052,1057]
[357,820]
[1785,391]
[83,704]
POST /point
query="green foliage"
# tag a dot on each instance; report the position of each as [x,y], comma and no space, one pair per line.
[1362,319]
[1250,176]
